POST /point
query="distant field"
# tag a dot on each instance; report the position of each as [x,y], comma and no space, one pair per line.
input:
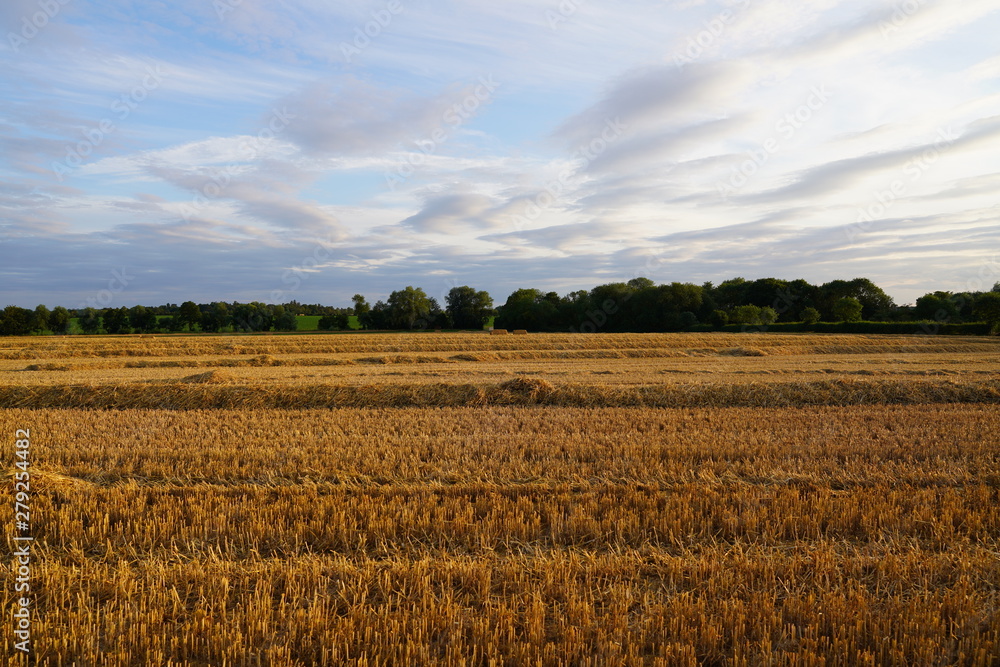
[556,499]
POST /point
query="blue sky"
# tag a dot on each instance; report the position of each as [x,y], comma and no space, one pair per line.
[301,149]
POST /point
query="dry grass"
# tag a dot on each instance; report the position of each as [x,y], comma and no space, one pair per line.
[220,389]
[761,511]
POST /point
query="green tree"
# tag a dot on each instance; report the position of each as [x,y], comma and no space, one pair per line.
[809,315]
[987,308]
[254,316]
[530,309]
[719,318]
[59,320]
[610,308]
[360,305]
[285,319]
[731,293]
[468,308]
[572,309]
[116,320]
[142,319]
[876,304]
[173,323]
[938,306]
[409,306]
[216,317]
[189,315]
[90,321]
[16,321]
[746,315]
[766,292]
[847,309]
[40,320]
[334,321]
[377,317]
[641,283]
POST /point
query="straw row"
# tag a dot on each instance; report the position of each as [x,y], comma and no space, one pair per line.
[215,390]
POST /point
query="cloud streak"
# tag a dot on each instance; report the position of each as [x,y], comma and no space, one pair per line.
[597,156]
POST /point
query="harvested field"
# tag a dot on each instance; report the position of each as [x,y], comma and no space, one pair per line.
[544,499]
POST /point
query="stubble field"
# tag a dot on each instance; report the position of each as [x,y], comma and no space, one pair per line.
[373,499]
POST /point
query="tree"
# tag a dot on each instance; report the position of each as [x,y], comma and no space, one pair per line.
[215,317]
[468,308]
[938,306]
[640,283]
[172,323]
[572,309]
[116,320]
[40,319]
[530,309]
[59,320]
[16,321]
[809,315]
[334,321]
[731,293]
[610,308]
[875,303]
[90,321]
[437,317]
[662,308]
[360,305]
[254,316]
[767,292]
[746,315]
[285,319]
[409,306]
[377,317]
[987,308]
[189,314]
[719,318]
[847,309]
[142,319]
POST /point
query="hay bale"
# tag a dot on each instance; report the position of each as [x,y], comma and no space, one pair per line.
[530,387]
[743,352]
[211,377]
[498,332]
[520,332]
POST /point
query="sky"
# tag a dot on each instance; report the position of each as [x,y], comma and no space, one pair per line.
[271,150]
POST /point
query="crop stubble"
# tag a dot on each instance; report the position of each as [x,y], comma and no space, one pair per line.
[523,515]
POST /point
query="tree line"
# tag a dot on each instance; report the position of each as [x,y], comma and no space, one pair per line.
[639,305]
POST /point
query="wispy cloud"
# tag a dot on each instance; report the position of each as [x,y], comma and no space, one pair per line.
[599,151]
